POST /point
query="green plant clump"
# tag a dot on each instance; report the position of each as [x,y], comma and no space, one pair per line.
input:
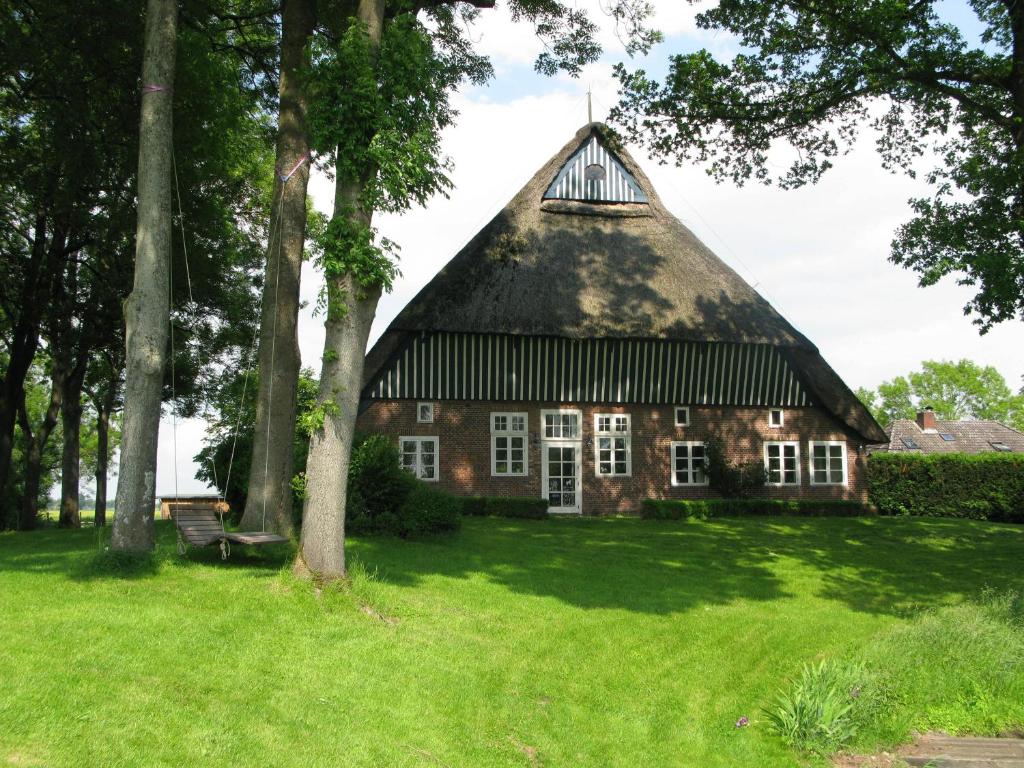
[988,486]
[703,509]
[383,498]
[527,508]
[817,715]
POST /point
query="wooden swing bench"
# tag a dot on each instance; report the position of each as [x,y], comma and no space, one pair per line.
[200,525]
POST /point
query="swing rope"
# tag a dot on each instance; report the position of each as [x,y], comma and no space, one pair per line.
[284,178]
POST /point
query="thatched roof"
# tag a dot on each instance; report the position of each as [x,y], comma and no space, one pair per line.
[578,269]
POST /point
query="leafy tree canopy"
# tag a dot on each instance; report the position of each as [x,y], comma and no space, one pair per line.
[960,390]
[813,73]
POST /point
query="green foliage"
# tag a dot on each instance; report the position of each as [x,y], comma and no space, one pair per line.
[704,509]
[527,508]
[385,499]
[816,714]
[987,486]
[811,75]
[428,510]
[956,669]
[347,246]
[960,390]
[732,480]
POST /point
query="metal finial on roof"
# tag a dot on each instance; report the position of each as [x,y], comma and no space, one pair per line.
[590,106]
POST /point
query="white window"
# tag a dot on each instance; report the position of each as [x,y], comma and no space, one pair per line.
[775,417]
[508,444]
[425,413]
[420,456]
[688,464]
[613,454]
[828,463]
[682,416]
[782,463]
[560,425]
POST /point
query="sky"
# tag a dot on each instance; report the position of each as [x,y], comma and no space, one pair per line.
[818,254]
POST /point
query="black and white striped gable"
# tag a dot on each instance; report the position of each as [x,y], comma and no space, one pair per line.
[593,174]
[460,366]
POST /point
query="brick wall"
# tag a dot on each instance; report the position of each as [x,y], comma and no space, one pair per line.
[463,429]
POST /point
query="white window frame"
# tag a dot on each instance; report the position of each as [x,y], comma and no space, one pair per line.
[545,412]
[675,415]
[810,461]
[419,440]
[672,462]
[782,463]
[613,433]
[782,418]
[510,433]
[419,408]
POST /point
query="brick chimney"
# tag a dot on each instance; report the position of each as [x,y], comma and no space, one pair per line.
[926,420]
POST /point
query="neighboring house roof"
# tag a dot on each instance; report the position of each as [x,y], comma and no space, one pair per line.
[586,252]
[967,437]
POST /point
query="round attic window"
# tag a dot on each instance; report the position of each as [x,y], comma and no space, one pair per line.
[595,172]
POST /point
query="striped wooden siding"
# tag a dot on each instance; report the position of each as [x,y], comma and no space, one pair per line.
[454,366]
[618,186]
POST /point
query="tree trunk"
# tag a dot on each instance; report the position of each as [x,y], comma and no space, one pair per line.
[23,345]
[71,424]
[147,309]
[103,409]
[350,312]
[269,499]
[36,443]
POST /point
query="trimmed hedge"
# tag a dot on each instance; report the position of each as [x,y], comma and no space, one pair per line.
[527,508]
[663,509]
[986,486]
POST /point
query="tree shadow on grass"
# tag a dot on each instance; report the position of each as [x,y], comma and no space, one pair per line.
[879,566]
[82,555]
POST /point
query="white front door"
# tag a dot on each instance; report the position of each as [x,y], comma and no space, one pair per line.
[562,476]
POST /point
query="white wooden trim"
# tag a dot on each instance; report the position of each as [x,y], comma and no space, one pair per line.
[782,463]
[627,436]
[672,462]
[675,415]
[810,461]
[577,447]
[419,440]
[782,417]
[551,411]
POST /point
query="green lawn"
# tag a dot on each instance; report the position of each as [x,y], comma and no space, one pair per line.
[551,643]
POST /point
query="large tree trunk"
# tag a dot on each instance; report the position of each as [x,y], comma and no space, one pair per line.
[71,425]
[350,312]
[269,499]
[103,408]
[147,309]
[37,440]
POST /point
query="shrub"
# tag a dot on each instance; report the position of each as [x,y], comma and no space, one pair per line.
[528,508]
[817,715]
[702,509]
[988,486]
[384,498]
[428,510]
[732,480]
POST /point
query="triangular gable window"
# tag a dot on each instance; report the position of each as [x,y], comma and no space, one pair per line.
[595,175]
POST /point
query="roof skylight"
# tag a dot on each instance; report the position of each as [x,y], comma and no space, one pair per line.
[1001,447]
[911,443]
[947,437]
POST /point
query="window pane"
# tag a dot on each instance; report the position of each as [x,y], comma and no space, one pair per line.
[791,476]
[820,476]
[603,424]
[555,499]
[427,459]
[427,473]
[517,467]
[500,467]
[604,467]
[773,451]
[427,446]
[518,423]
[568,499]
[620,468]
[517,454]
[698,452]
[408,446]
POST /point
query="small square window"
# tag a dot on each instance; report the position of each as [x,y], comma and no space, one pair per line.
[775,417]
[682,416]
[425,413]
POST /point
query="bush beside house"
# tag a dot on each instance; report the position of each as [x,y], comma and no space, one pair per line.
[988,486]
[702,509]
[384,498]
[526,508]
